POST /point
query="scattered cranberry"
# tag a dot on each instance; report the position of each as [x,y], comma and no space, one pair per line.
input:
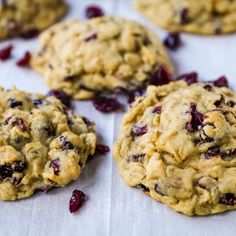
[77,200]
[161,77]
[20,123]
[218,103]
[139,130]
[102,149]
[228,199]
[5,53]
[14,103]
[29,34]
[106,104]
[157,110]
[184,16]
[190,78]
[91,37]
[65,143]
[231,103]
[61,95]
[221,82]
[93,11]
[24,61]
[172,41]
[7,170]
[196,119]
[55,164]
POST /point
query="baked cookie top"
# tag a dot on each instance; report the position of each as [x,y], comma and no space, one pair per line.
[194,16]
[42,145]
[87,57]
[26,17]
[178,144]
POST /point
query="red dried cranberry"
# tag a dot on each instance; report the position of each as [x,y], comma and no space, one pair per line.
[161,76]
[20,123]
[7,170]
[231,103]
[190,78]
[139,130]
[93,11]
[65,143]
[77,200]
[61,95]
[24,61]
[14,103]
[29,34]
[102,149]
[218,103]
[221,82]
[184,16]
[228,199]
[196,119]
[5,53]
[106,104]
[55,164]
[157,110]
[172,41]
[91,37]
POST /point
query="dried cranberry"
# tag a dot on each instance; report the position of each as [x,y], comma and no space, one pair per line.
[219,102]
[29,34]
[172,41]
[106,104]
[184,16]
[139,130]
[61,95]
[196,119]
[37,102]
[7,170]
[208,87]
[55,164]
[91,37]
[20,123]
[136,158]
[24,61]
[190,78]
[161,77]
[65,143]
[157,110]
[215,152]
[93,11]
[102,149]
[231,103]
[5,53]
[77,200]
[228,199]
[14,103]
[221,82]
[143,188]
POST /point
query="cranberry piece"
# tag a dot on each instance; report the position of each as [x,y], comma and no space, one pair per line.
[172,41]
[37,102]
[161,76]
[196,119]
[102,149]
[136,158]
[65,143]
[55,164]
[231,103]
[143,188]
[139,130]
[20,123]
[14,103]
[208,87]
[221,82]
[61,95]
[228,199]
[91,37]
[106,104]
[190,78]
[220,101]
[7,170]
[93,11]
[24,61]
[29,34]
[157,110]
[184,16]
[5,53]
[77,200]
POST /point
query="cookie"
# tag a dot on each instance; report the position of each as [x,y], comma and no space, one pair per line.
[42,145]
[85,58]
[200,17]
[178,144]
[27,17]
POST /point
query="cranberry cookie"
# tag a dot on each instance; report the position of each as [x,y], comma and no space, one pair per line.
[27,17]
[178,144]
[42,145]
[85,58]
[194,16]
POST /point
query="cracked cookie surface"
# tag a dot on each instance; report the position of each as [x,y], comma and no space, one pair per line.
[42,145]
[85,58]
[200,17]
[178,144]
[25,17]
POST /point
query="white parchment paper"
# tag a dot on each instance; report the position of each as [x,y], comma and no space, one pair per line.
[113,208]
